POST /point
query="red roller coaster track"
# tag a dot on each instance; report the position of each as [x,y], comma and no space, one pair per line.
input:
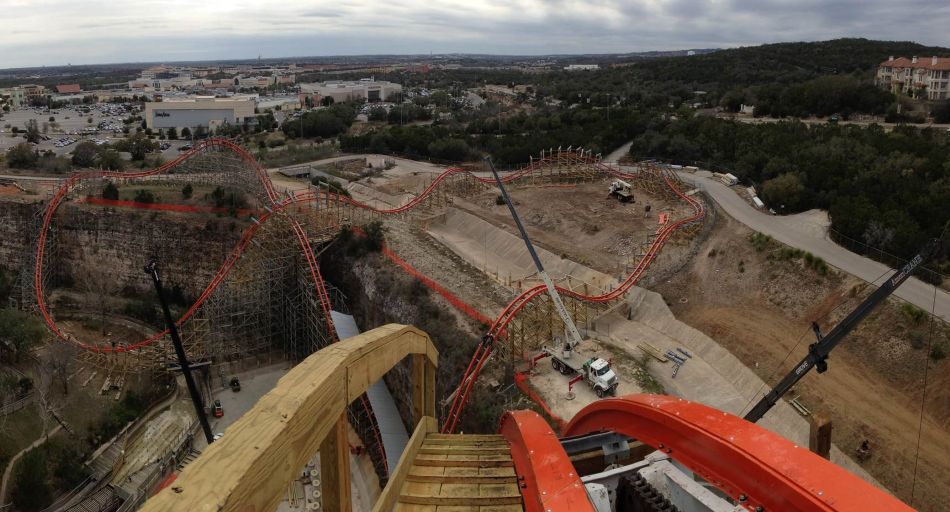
[484,350]
[759,469]
[497,329]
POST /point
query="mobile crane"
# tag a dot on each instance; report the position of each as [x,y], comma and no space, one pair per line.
[596,372]
[818,352]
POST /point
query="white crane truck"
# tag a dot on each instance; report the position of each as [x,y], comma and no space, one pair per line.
[594,371]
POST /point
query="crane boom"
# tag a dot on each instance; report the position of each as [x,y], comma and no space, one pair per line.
[573,334]
[818,351]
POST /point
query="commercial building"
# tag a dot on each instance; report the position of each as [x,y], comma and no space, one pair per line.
[198,111]
[366,89]
[14,96]
[926,79]
[68,89]
[31,91]
[581,67]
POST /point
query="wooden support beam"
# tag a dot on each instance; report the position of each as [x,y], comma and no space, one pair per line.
[387,500]
[249,468]
[420,405]
[335,468]
[819,435]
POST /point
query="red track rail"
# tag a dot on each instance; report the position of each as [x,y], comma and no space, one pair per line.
[754,466]
[484,351]
[549,480]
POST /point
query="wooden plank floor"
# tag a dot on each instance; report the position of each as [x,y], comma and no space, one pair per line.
[461,473]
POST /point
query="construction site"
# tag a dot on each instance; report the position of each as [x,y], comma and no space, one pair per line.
[575,334]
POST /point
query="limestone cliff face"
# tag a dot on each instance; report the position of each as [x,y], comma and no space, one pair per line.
[117,243]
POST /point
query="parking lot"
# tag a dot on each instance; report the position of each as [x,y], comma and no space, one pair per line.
[71,126]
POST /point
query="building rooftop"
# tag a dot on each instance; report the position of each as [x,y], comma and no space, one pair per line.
[941,63]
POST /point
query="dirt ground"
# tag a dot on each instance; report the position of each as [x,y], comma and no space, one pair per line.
[428,256]
[599,232]
[553,387]
[760,305]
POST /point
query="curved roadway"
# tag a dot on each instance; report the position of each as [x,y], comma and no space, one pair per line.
[794,231]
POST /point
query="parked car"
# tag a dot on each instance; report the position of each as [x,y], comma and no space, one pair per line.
[217,410]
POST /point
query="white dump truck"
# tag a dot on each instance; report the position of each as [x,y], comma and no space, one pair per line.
[621,190]
[596,372]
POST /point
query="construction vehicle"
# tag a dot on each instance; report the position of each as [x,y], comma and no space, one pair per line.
[818,352]
[596,372]
[621,190]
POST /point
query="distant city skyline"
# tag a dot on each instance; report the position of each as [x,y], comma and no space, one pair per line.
[59,32]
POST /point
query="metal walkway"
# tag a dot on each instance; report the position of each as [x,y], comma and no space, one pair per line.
[395,437]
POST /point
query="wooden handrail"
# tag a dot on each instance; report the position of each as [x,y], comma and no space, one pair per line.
[249,468]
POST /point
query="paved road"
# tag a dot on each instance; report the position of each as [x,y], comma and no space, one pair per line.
[793,231]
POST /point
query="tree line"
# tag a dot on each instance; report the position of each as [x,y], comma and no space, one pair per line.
[887,189]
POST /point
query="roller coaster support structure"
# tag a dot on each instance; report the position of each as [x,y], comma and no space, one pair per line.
[574,337]
[152,270]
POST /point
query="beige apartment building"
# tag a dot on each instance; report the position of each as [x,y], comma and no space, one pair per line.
[925,79]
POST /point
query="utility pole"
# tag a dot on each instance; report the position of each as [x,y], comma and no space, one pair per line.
[152,270]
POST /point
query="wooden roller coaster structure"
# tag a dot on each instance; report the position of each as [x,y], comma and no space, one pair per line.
[298,310]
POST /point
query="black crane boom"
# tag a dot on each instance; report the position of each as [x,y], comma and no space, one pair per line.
[818,351]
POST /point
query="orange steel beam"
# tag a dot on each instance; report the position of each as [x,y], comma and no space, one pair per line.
[754,466]
[549,480]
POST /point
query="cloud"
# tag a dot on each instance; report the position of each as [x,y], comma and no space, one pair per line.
[51,32]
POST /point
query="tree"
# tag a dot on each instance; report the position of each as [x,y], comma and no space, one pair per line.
[111,159]
[32,131]
[110,191]
[31,490]
[186,133]
[20,331]
[941,112]
[186,191]
[144,196]
[85,154]
[377,114]
[60,359]
[327,101]
[786,192]
[172,133]
[455,150]
[22,156]
[6,285]
[139,145]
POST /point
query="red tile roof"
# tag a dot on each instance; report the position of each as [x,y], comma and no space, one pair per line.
[943,63]
[68,88]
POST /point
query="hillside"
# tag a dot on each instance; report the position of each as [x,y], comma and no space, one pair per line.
[782,63]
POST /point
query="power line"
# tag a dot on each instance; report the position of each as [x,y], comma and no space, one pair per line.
[923,394]
[780,365]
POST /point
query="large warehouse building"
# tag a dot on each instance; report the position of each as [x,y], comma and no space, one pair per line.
[366,89]
[198,111]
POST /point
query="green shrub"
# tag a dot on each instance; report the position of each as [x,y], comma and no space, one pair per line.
[110,191]
[759,241]
[913,313]
[144,196]
[499,199]
[938,351]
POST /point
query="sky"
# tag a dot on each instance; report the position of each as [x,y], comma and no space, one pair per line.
[59,32]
